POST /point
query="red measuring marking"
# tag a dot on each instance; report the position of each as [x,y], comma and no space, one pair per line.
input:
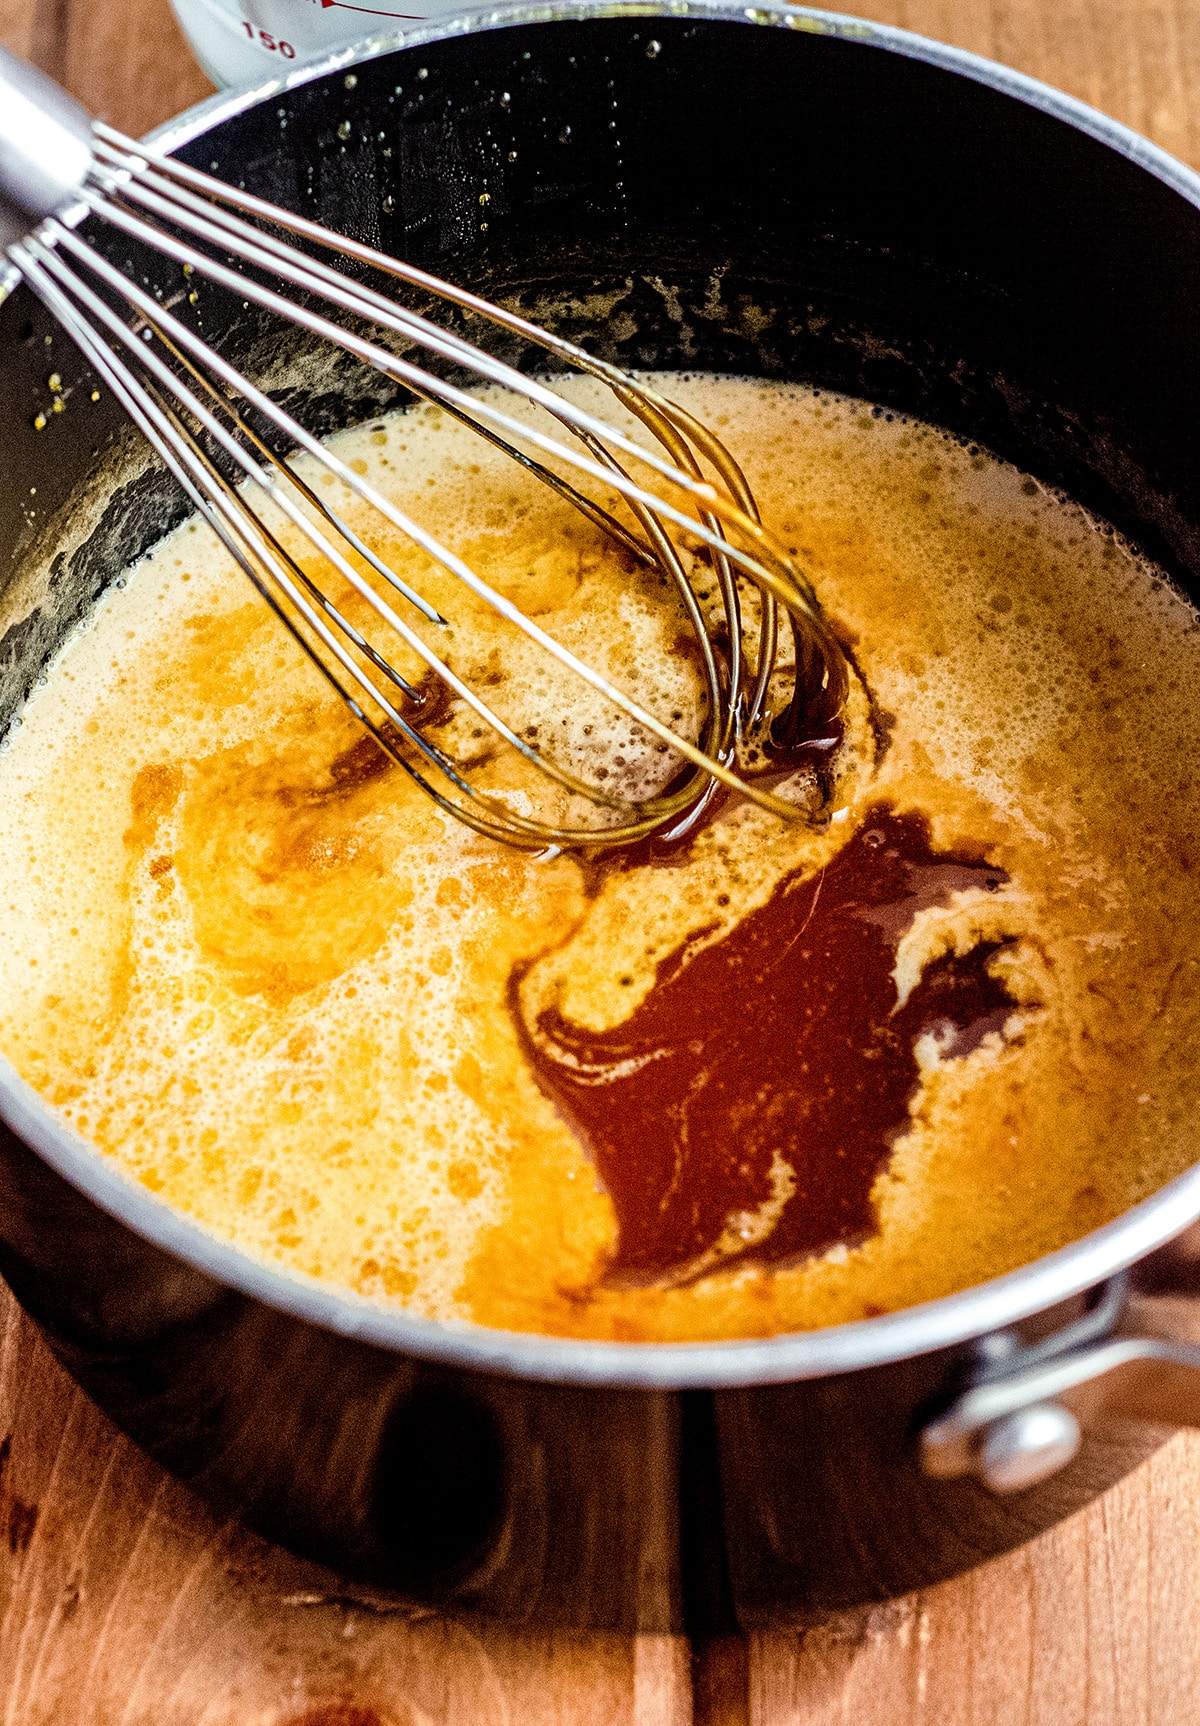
[375,11]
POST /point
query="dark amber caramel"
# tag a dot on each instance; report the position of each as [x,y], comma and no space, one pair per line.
[765,1077]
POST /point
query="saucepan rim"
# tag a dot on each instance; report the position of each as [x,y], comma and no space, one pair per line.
[864,1343]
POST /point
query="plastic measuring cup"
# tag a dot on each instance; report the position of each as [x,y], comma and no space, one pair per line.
[237,41]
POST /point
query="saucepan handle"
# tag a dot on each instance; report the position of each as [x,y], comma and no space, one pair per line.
[45,147]
[1135,1357]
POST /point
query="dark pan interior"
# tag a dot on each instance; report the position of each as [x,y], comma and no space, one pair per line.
[684,194]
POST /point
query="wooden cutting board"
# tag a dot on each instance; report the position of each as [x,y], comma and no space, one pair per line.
[122,1603]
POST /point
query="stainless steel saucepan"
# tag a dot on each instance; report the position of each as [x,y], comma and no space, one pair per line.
[780,192]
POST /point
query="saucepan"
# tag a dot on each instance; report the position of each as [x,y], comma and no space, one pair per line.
[769,191]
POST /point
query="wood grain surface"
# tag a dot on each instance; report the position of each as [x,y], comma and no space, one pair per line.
[122,1601]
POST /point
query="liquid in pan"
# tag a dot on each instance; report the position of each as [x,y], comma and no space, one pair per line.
[760,1078]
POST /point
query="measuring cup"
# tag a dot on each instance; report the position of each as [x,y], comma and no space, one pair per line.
[241,41]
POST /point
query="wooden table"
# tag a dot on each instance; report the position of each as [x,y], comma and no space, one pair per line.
[122,1601]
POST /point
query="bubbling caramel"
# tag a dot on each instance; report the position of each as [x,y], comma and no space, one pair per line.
[759,1078]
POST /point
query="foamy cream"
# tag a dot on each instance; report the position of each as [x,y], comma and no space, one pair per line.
[272,981]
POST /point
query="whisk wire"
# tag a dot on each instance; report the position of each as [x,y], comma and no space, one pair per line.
[158,316]
[244,540]
[700,435]
[200,414]
[538,832]
[261,477]
[311,276]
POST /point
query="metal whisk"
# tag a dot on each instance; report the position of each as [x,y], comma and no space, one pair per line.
[232,448]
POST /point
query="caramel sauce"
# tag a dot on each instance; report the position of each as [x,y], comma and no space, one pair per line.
[746,1078]
[746,1106]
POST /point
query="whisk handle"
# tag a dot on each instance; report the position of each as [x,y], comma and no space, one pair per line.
[45,147]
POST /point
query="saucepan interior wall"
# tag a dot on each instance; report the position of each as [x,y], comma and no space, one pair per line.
[677,194]
[697,192]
